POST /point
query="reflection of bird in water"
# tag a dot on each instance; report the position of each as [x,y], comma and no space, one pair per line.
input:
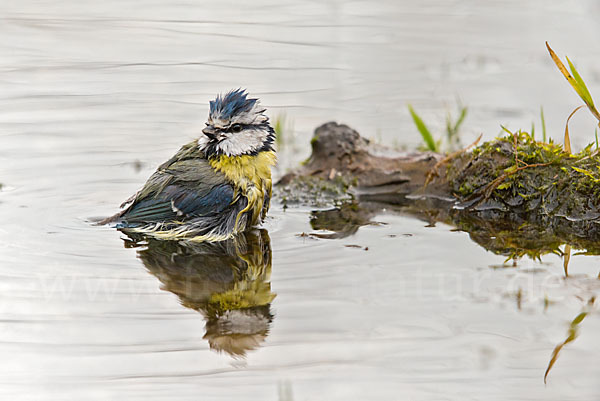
[227,281]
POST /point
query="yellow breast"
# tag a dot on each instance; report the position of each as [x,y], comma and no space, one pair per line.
[251,176]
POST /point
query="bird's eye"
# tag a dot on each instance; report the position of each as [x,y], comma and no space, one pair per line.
[236,128]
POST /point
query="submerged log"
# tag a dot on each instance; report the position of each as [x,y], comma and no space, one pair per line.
[515,196]
[343,165]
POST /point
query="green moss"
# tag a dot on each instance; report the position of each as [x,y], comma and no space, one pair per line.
[520,174]
[314,191]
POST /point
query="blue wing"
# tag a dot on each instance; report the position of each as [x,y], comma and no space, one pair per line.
[177,202]
[184,187]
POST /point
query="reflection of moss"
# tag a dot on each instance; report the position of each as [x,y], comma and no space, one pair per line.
[502,233]
[572,334]
[511,238]
[515,236]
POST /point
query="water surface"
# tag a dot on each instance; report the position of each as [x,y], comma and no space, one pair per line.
[95,96]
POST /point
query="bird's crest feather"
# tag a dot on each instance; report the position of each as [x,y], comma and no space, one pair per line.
[235,102]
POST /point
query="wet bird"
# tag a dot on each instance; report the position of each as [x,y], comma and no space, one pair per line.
[214,187]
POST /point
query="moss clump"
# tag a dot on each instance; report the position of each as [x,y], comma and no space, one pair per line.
[314,191]
[520,175]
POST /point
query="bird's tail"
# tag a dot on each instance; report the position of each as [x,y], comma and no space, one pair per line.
[112,219]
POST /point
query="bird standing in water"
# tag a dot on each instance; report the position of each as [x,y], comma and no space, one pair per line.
[215,186]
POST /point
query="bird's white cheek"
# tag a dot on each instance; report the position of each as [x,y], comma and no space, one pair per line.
[243,142]
[202,142]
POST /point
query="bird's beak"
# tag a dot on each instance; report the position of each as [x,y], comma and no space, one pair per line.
[210,132]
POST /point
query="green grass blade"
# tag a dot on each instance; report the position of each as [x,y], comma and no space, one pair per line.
[543,125]
[449,125]
[423,130]
[505,129]
[582,90]
[279,127]
[461,118]
[575,81]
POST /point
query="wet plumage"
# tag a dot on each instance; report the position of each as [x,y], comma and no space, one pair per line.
[215,186]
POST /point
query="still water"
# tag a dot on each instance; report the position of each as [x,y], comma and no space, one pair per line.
[94,95]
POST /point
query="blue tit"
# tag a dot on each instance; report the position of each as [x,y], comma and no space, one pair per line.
[214,187]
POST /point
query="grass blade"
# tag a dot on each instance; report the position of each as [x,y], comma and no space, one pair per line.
[543,125]
[461,118]
[567,142]
[573,332]
[571,337]
[423,130]
[585,93]
[505,129]
[577,83]
[565,72]
[566,259]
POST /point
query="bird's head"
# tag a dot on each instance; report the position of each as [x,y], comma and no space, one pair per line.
[236,126]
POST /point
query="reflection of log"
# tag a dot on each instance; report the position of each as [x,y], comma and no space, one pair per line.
[515,196]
